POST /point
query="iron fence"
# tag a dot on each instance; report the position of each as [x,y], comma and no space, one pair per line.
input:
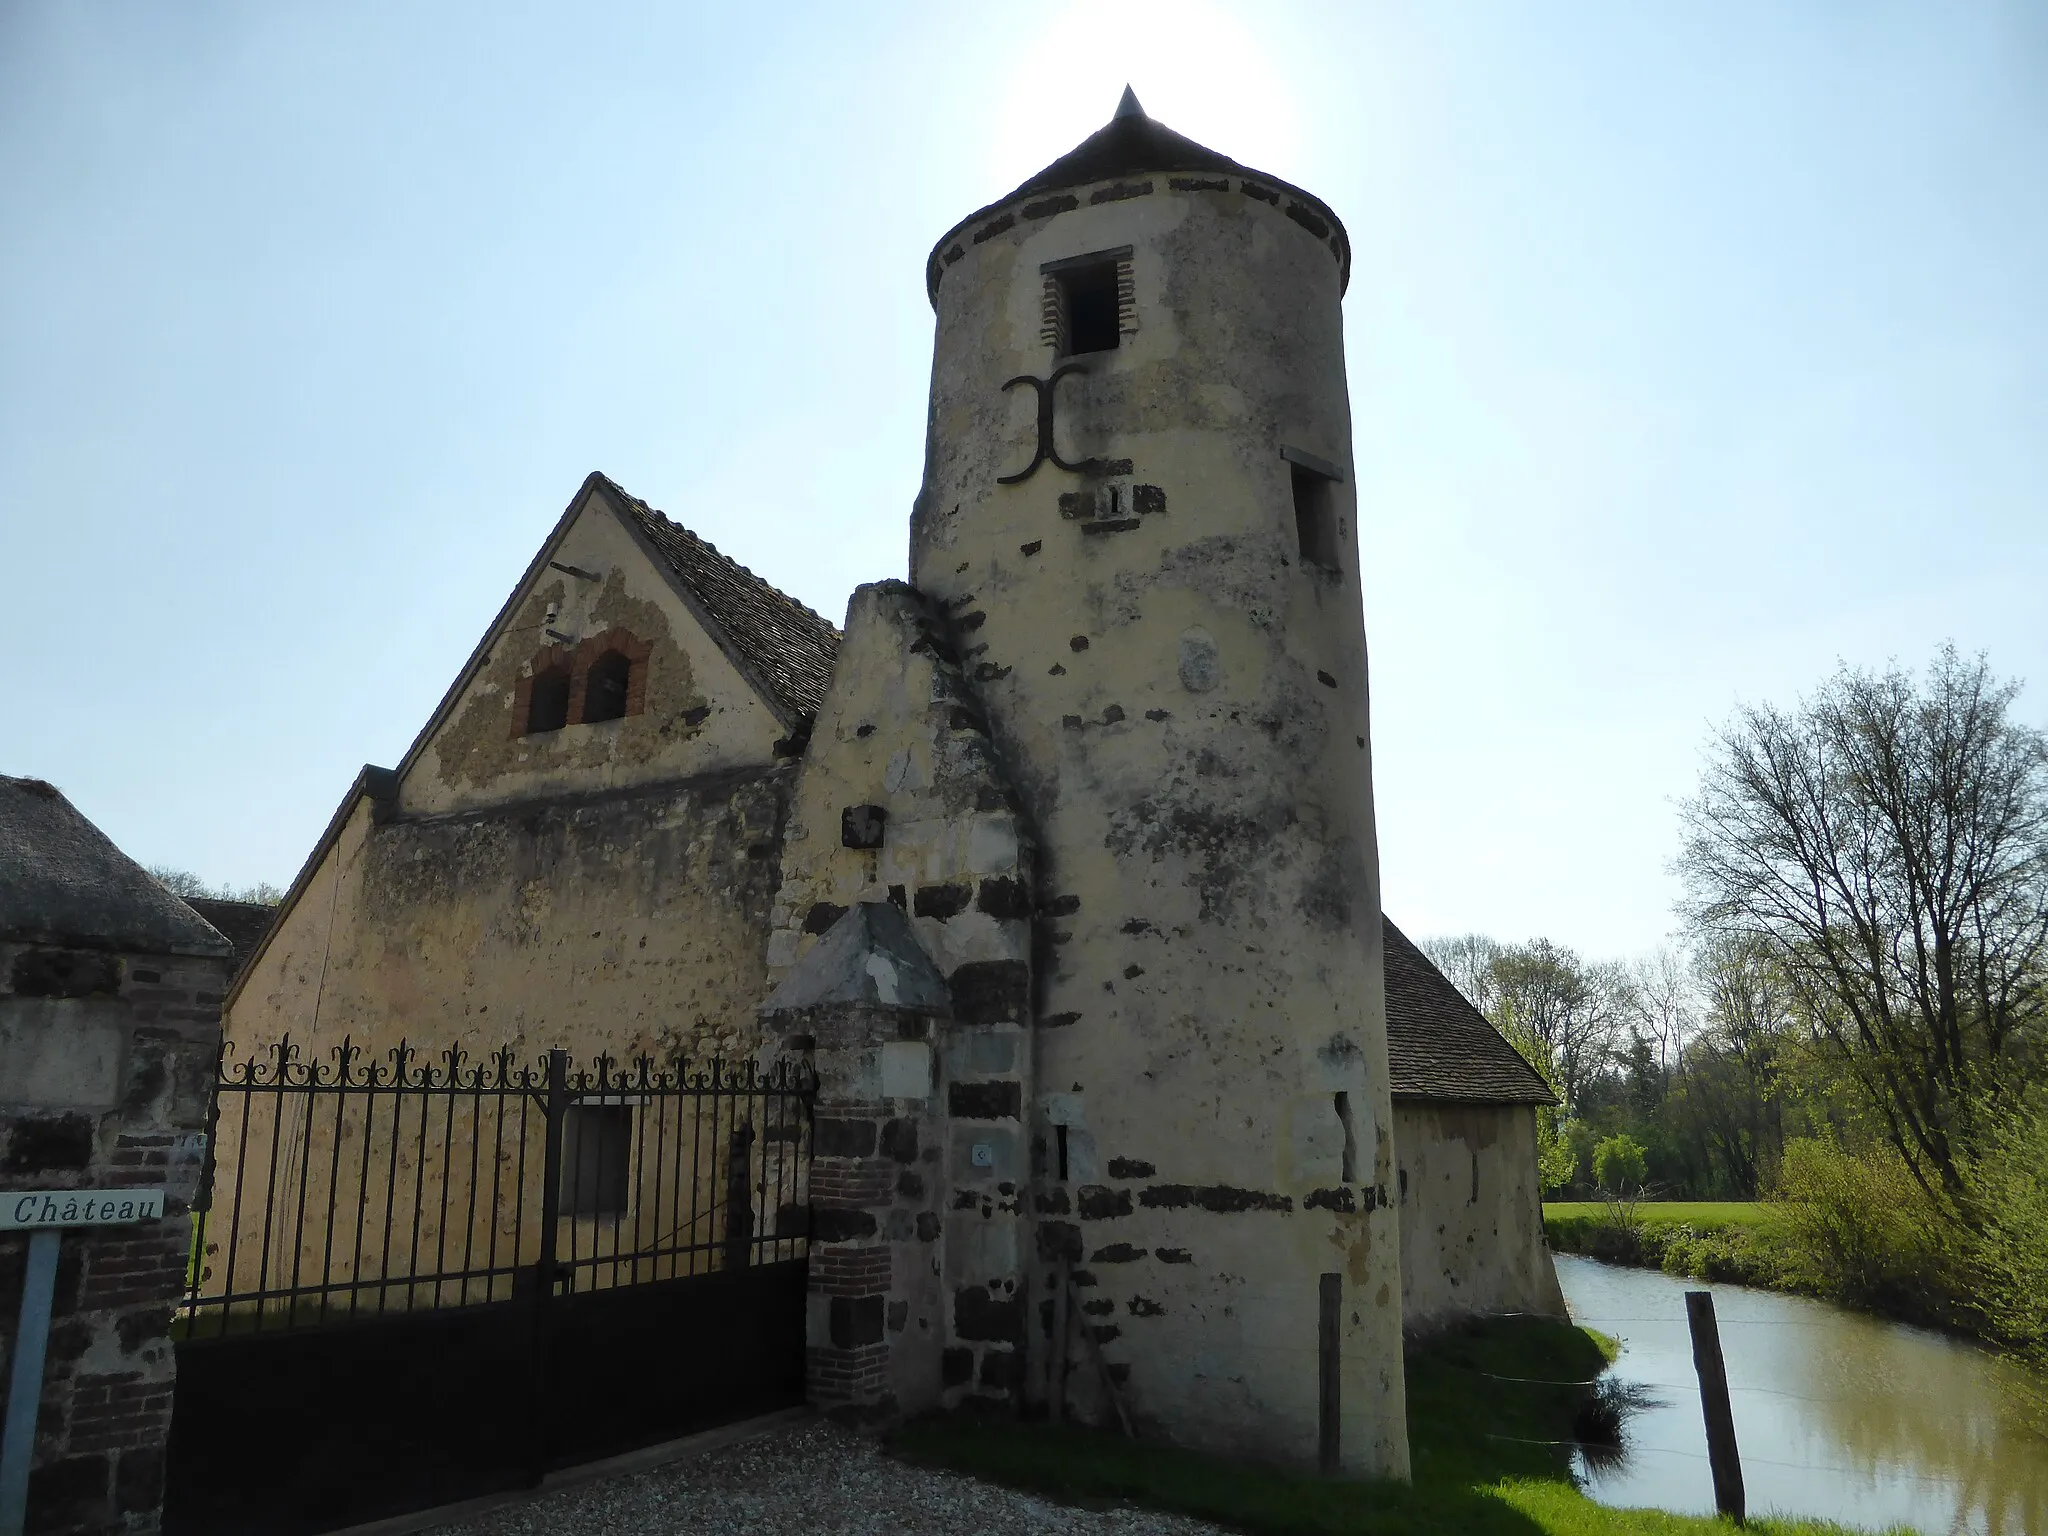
[362,1184]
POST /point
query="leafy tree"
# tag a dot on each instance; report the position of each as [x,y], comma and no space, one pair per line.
[1619,1165]
[1885,846]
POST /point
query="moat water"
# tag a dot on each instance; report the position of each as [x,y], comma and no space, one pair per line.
[1838,1416]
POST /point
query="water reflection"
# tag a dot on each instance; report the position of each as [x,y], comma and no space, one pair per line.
[1837,1415]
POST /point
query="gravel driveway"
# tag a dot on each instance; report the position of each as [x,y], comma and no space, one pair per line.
[807,1477]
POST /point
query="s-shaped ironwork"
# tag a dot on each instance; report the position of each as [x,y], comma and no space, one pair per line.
[1045,387]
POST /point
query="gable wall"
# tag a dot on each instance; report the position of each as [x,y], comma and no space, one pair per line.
[696,713]
[1471,1214]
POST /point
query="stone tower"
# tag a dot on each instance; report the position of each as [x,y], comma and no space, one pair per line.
[1137,511]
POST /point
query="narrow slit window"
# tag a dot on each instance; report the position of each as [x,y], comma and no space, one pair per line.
[605,686]
[596,1159]
[1315,518]
[1060,1135]
[1092,318]
[1350,1166]
[547,704]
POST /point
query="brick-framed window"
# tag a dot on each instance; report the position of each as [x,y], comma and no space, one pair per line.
[601,678]
[1090,302]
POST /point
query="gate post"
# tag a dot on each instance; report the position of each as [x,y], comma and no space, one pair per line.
[540,1420]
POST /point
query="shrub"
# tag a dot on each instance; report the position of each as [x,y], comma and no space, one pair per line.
[1858,1227]
[2009,1259]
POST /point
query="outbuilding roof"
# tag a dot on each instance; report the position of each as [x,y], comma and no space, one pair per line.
[62,881]
[1439,1047]
[242,923]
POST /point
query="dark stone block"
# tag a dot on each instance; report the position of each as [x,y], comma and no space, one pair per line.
[843,1138]
[1116,192]
[1148,499]
[978,1315]
[899,1140]
[139,1480]
[46,1142]
[1130,1168]
[994,227]
[1059,1240]
[964,719]
[1002,1369]
[1145,1306]
[1263,194]
[991,992]
[74,1492]
[1308,220]
[929,1226]
[1101,1306]
[899,1314]
[896,895]
[909,1186]
[831,1226]
[956,1367]
[1110,525]
[143,1326]
[1053,1204]
[1133,972]
[985,1101]
[860,826]
[1339,1199]
[970,622]
[66,973]
[822,916]
[1116,1253]
[1325,679]
[1175,1256]
[1004,898]
[1078,643]
[1061,1020]
[1063,906]
[1046,207]
[1032,548]
[1077,504]
[1197,184]
[1220,1198]
[1098,1203]
[856,1320]
[1104,1332]
[942,901]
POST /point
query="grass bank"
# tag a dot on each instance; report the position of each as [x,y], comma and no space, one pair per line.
[1736,1241]
[1485,1422]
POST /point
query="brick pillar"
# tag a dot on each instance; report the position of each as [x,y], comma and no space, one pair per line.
[876,1317]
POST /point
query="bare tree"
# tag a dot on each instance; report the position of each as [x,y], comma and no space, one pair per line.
[182,883]
[1468,961]
[1665,1004]
[1885,845]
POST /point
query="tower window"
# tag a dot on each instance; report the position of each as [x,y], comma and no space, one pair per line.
[1088,302]
[547,703]
[604,688]
[1315,518]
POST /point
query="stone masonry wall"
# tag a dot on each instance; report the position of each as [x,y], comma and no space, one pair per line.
[106,1068]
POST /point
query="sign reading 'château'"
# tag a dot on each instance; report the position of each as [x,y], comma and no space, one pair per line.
[22,1209]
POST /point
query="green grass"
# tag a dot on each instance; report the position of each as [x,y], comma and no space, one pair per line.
[1702,1215]
[1475,1472]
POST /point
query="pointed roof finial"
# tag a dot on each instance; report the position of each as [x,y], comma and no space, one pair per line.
[1129,107]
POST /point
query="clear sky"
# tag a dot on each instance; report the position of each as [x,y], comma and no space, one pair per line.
[1691,348]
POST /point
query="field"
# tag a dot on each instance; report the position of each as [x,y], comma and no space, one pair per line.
[1484,1440]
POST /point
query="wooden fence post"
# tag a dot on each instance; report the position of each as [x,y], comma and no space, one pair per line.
[1706,1360]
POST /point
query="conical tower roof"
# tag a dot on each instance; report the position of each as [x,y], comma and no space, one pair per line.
[1132,143]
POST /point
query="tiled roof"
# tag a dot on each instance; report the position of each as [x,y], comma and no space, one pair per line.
[787,648]
[62,881]
[241,923]
[1133,144]
[1441,1048]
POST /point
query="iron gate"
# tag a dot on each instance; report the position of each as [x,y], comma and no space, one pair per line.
[417,1281]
